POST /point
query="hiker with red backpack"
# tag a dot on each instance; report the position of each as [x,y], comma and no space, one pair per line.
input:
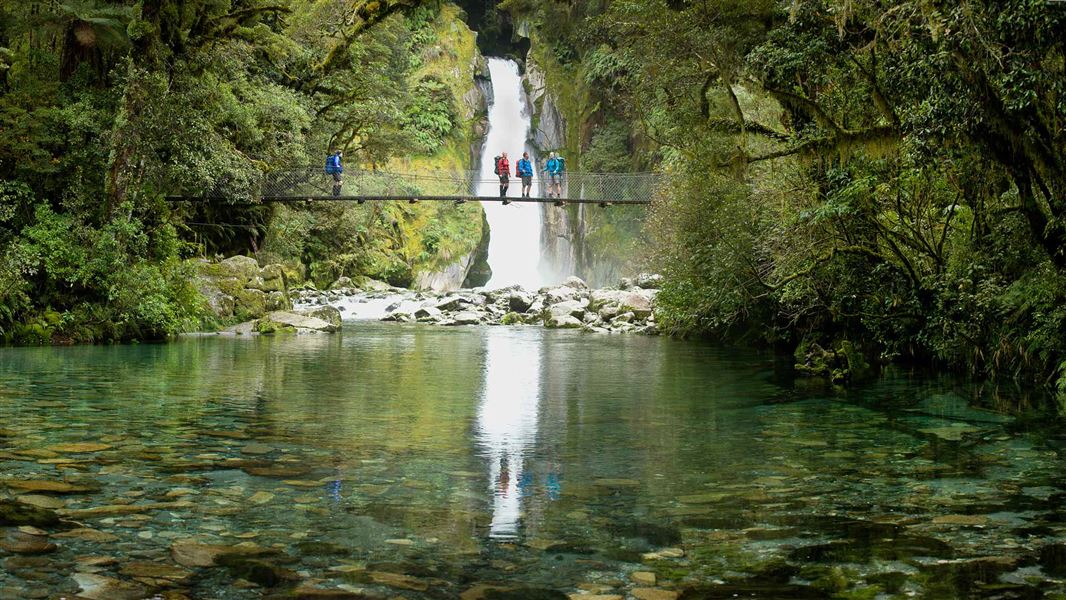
[503,169]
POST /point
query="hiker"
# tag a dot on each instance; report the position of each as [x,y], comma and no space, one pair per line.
[524,169]
[560,173]
[503,169]
[334,168]
[551,167]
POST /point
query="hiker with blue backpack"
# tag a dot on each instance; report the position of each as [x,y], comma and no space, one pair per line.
[524,169]
[334,168]
[555,167]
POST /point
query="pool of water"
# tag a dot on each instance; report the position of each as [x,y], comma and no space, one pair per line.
[511,463]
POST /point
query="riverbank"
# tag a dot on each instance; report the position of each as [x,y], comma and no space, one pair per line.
[628,308]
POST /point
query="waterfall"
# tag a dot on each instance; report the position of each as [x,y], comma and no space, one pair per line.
[515,229]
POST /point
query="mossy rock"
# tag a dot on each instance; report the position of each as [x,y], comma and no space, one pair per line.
[513,318]
[268,327]
[250,304]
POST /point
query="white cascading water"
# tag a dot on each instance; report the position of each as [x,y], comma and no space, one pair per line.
[514,230]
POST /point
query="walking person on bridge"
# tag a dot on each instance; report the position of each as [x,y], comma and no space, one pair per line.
[503,169]
[524,169]
[334,168]
[552,168]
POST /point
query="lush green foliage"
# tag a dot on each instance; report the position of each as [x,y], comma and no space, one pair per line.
[107,106]
[892,174]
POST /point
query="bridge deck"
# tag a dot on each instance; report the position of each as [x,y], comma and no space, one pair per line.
[308,184]
[411,199]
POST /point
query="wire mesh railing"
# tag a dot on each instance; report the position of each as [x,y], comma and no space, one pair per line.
[314,183]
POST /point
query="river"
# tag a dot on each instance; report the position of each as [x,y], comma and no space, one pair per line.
[429,461]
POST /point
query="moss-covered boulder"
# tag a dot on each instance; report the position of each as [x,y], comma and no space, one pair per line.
[285,322]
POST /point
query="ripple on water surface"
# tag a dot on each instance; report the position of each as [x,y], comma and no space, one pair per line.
[507,463]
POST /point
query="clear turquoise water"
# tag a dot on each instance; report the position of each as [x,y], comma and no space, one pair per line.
[456,457]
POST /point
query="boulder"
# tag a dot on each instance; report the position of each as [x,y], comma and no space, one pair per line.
[519,301]
[243,268]
[466,317]
[638,302]
[279,321]
[625,283]
[220,303]
[249,303]
[277,301]
[561,321]
[342,283]
[576,283]
[272,272]
[649,281]
[327,313]
[599,298]
[266,285]
[428,313]
[450,303]
[374,285]
[608,312]
[574,308]
[558,294]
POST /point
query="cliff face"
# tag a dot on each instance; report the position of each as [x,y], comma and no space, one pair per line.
[456,61]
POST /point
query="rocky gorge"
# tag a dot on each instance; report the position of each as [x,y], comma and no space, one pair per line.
[628,308]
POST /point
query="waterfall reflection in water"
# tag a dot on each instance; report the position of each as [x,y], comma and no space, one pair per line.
[507,423]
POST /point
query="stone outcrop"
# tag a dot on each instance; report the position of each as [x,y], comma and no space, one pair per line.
[237,288]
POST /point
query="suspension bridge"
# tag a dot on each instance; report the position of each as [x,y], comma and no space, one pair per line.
[313,184]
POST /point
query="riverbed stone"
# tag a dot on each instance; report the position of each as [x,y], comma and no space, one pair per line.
[88,535]
[79,448]
[158,573]
[195,554]
[653,594]
[40,501]
[961,520]
[398,581]
[642,577]
[99,587]
[48,486]
[18,513]
[20,542]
